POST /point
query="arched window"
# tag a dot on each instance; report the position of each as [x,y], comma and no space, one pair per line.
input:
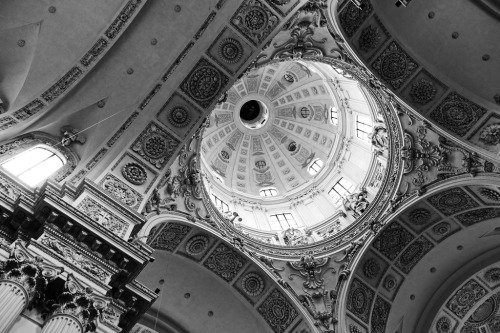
[315,167]
[305,112]
[34,165]
[268,192]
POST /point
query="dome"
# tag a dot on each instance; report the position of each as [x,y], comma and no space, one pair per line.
[289,134]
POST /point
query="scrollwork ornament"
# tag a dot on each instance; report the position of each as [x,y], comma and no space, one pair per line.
[134,173]
[420,216]
[492,275]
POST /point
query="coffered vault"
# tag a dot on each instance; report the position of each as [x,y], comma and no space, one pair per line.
[130,96]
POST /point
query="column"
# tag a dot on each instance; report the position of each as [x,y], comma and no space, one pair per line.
[62,323]
[13,300]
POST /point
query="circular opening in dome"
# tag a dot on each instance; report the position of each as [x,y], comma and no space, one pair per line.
[254,114]
[250,110]
[292,146]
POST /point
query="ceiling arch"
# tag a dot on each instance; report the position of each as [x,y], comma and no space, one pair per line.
[412,265]
[211,280]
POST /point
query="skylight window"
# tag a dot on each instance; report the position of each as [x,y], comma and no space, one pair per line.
[334,115]
[34,165]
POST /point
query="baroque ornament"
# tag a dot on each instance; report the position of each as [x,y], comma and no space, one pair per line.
[179,117]
[310,270]
[465,298]
[360,299]
[230,50]
[121,191]
[169,236]
[443,325]
[352,16]
[390,282]
[370,38]
[452,201]
[197,245]
[254,20]
[134,173]
[225,262]
[394,65]
[490,134]
[204,83]
[277,311]
[442,228]
[492,275]
[252,284]
[371,268]
[457,114]
[420,216]
[155,145]
[423,91]
[380,315]
[489,194]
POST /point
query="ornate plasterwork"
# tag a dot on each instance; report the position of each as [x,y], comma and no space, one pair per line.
[155,145]
[103,216]
[75,258]
[204,84]
[225,262]
[169,236]
[255,21]
[360,299]
[351,17]
[452,201]
[465,298]
[121,191]
[394,65]
[277,311]
[457,114]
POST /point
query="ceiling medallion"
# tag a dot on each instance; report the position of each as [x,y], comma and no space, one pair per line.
[134,173]
[230,50]
[256,19]
[179,117]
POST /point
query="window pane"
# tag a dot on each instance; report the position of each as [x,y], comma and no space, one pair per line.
[41,171]
[26,160]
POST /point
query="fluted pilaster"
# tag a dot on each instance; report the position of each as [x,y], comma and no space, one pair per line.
[62,323]
[13,300]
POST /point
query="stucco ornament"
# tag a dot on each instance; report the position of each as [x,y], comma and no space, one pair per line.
[490,135]
[310,270]
[379,137]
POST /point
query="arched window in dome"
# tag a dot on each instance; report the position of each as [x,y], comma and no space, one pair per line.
[363,128]
[282,221]
[268,192]
[334,115]
[305,112]
[341,189]
[315,167]
[35,164]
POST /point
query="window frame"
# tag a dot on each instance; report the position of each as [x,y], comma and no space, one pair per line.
[349,189]
[365,135]
[334,119]
[53,153]
[286,218]
[313,164]
[268,192]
